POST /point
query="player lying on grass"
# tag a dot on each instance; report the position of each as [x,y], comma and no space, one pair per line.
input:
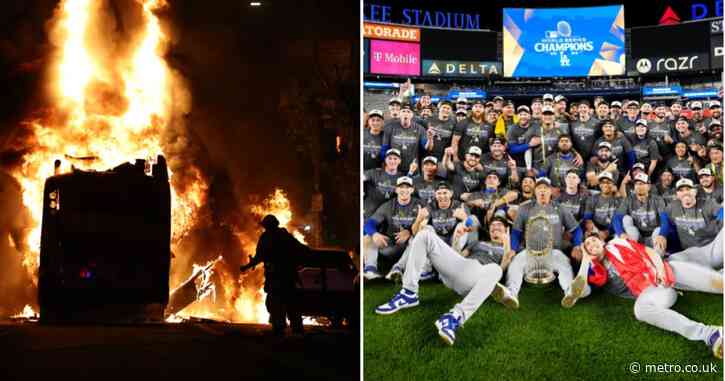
[629,269]
[475,277]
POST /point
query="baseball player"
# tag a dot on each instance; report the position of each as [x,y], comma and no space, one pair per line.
[559,218]
[398,216]
[381,182]
[474,277]
[407,136]
[637,216]
[632,270]
[696,225]
[447,216]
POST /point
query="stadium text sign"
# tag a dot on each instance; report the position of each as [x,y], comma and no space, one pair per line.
[460,68]
[397,58]
[421,17]
[391,32]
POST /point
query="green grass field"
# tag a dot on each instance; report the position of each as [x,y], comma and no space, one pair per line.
[598,339]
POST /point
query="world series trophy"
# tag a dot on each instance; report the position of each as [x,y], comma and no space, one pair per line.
[539,241]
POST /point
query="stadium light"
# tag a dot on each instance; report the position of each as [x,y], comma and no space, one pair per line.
[255,4]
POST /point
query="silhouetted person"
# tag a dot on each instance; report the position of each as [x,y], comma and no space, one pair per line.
[281,254]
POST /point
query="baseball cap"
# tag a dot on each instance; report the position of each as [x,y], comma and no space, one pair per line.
[392,151]
[606,145]
[489,104]
[715,122]
[714,104]
[497,98]
[547,110]
[617,104]
[633,103]
[395,100]
[498,139]
[493,172]
[473,150]
[431,159]
[559,98]
[523,108]
[500,216]
[444,102]
[605,175]
[548,97]
[642,177]
[584,102]
[684,183]
[375,113]
[638,166]
[477,102]
[543,180]
[406,107]
[461,100]
[443,185]
[508,103]
[684,119]
[715,144]
[704,172]
[642,122]
[404,180]
[696,105]
[646,104]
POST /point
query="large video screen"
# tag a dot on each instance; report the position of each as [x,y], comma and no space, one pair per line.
[670,48]
[396,58]
[563,42]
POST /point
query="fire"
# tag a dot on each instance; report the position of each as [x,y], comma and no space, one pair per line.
[116,100]
[28,313]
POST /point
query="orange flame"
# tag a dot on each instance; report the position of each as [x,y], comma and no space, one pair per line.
[112,102]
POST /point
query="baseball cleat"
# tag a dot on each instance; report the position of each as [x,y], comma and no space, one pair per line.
[715,343]
[428,275]
[576,290]
[401,300]
[447,325]
[395,274]
[371,272]
[502,295]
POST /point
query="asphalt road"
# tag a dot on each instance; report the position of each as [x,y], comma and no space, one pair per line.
[30,351]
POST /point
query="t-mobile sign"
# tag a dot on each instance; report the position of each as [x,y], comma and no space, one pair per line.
[390,57]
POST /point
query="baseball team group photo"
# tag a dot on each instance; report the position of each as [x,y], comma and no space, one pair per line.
[542,190]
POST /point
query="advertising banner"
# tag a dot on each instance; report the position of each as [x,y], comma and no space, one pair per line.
[390,32]
[440,68]
[716,47]
[670,48]
[397,58]
[468,94]
[570,42]
[654,91]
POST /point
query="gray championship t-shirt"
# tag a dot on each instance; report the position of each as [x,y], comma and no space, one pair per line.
[486,252]
[602,210]
[559,218]
[406,140]
[396,217]
[696,226]
[645,214]
[372,145]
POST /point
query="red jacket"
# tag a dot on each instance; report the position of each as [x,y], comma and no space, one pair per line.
[633,265]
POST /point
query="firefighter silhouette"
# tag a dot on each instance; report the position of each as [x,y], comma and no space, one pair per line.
[282,255]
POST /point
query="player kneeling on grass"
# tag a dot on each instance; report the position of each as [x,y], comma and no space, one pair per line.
[466,276]
[632,270]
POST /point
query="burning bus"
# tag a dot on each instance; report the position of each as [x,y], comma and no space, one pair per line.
[105,244]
